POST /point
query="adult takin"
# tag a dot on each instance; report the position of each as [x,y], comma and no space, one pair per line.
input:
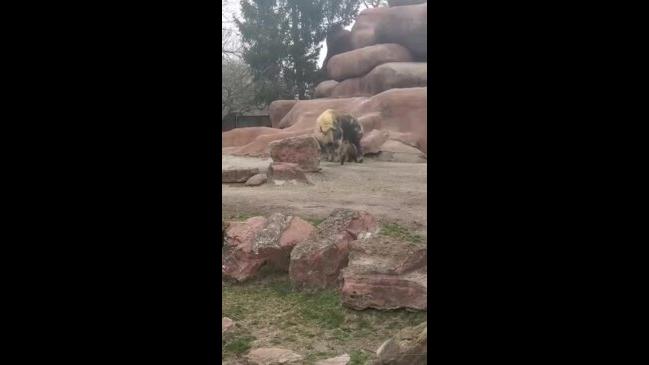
[333,128]
[328,133]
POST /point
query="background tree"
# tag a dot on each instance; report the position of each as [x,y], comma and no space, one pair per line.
[237,87]
[375,3]
[281,42]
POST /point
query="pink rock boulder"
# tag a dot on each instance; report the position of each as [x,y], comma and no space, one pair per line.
[302,150]
[385,273]
[358,62]
[316,262]
[258,241]
[280,173]
[373,141]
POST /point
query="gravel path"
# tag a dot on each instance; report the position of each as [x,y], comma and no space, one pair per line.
[392,192]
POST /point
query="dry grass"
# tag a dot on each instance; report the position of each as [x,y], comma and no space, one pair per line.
[269,312]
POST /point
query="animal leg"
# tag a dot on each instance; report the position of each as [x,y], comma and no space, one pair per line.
[359,152]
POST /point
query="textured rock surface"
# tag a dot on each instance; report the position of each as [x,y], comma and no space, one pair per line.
[404,25]
[381,78]
[316,262]
[311,110]
[226,324]
[272,356]
[256,180]
[338,41]
[401,111]
[324,89]
[385,273]
[393,3]
[238,175]
[338,360]
[395,151]
[373,141]
[407,347]
[395,75]
[302,150]
[282,172]
[257,241]
[278,109]
[358,62]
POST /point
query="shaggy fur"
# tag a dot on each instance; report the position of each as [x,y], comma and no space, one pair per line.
[328,133]
[333,128]
[353,133]
[347,152]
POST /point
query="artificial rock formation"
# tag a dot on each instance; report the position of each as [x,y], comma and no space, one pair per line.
[377,73]
[316,262]
[257,241]
[302,150]
[385,273]
[278,109]
[402,112]
[360,61]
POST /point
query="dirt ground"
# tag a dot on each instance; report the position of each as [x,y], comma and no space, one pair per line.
[394,192]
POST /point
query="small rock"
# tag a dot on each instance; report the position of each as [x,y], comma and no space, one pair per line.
[280,172]
[236,175]
[272,356]
[407,347]
[301,150]
[226,324]
[256,180]
[340,360]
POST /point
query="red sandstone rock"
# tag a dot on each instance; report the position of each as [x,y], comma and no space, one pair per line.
[393,3]
[407,26]
[401,111]
[385,273]
[373,141]
[310,110]
[358,62]
[281,172]
[381,78]
[407,347]
[302,150]
[257,241]
[278,109]
[316,262]
[349,88]
[324,89]
[404,25]
[338,41]
[395,75]
[238,175]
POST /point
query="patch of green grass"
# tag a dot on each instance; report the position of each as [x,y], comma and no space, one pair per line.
[357,357]
[396,231]
[315,221]
[281,288]
[322,308]
[316,325]
[238,345]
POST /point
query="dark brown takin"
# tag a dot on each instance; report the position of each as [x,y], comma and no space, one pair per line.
[352,133]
